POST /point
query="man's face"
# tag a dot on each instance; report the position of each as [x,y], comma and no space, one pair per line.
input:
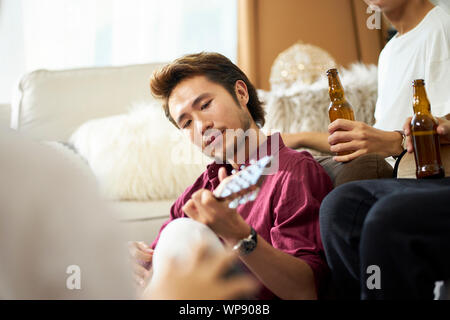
[386,5]
[204,110]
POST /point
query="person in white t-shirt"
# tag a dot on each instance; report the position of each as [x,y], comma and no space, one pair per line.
[419,50]
[389,238]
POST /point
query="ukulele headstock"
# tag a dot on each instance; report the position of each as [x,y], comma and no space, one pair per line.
[244,184]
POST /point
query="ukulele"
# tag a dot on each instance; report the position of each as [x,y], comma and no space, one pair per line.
[244,184]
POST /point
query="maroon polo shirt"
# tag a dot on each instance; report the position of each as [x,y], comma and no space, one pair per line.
[286,211]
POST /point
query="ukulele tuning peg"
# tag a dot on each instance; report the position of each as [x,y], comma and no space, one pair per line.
[233,204]
[253,195]
[244,199]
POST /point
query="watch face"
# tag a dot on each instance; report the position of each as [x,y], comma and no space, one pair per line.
[248,246]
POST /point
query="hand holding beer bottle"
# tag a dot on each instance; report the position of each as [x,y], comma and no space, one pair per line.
[350,139]
[339,107]
[423,133]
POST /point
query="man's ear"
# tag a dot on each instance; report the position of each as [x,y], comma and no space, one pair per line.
[241,92]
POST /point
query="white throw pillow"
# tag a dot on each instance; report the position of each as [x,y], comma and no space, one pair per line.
[139,155]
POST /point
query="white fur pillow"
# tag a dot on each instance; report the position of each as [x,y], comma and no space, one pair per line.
[139,155]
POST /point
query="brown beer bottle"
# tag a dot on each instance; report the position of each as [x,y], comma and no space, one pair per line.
[425,138]
[339,107]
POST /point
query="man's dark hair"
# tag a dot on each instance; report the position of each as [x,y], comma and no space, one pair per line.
[216,68]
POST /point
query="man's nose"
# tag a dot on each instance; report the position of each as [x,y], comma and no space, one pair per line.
[202,125]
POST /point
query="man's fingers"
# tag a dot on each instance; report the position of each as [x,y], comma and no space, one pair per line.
[190,209]
[340,137]
[409,144]
[222,262]
[345,146]
[443,127]
[239,286]
[202,198]
[138,280]
[341,124]
[136,252]
[349,157]
[407,126]
[144,247]
[199,254]
[140,271]
[195,207]
[222,174]
[142,256]
[207,198]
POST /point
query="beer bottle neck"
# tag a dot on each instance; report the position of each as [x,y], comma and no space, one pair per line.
[421,103]
[335,89]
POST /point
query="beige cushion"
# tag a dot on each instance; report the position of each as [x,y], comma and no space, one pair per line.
[50,105]
[365,167]
[407,164]
[143,219]
[5,115]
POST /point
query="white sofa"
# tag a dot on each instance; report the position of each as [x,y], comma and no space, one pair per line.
[50,105]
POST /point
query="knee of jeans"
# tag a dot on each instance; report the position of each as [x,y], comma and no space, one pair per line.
[179,239]
[387,214]
[186,232]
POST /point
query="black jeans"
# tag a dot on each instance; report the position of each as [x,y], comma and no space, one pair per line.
[401,226]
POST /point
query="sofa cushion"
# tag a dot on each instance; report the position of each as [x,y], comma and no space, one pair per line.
[5,115]
[365,167]
[142,219]
[50,105]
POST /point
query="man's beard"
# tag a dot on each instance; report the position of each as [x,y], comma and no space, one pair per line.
[233,142]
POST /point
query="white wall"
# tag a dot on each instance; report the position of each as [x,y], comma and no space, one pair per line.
[62,34]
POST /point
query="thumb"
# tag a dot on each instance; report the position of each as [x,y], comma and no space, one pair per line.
[222,174]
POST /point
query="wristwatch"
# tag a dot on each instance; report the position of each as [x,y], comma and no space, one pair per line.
[247,245]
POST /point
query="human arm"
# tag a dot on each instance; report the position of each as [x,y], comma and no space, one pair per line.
[313,140]
[286,276]
[291,232]
[360,138]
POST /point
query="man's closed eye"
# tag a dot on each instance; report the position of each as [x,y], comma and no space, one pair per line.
[206,105]
[187,124]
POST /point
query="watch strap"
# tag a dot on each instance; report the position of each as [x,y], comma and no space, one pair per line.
[403,143]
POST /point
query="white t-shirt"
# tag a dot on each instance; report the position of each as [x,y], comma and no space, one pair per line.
[421,53]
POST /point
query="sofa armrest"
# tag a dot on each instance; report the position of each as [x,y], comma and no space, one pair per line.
[5,115]
[142,220]
[128,211]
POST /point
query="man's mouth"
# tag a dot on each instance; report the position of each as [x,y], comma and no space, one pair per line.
[214,137]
